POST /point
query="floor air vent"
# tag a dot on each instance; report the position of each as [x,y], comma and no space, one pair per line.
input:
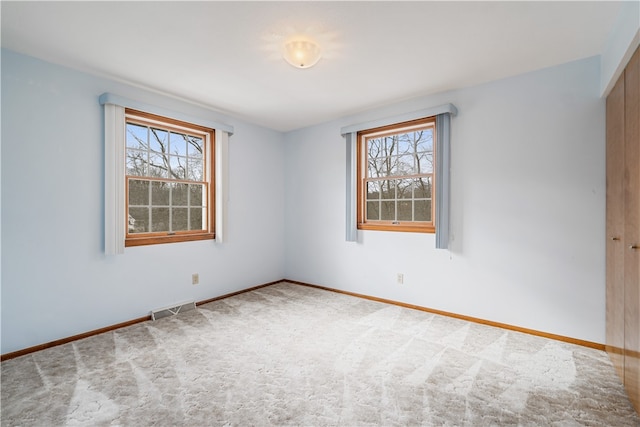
[172,311]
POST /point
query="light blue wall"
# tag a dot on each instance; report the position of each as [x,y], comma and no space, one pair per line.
[527,210]
[56,281]
[528,197]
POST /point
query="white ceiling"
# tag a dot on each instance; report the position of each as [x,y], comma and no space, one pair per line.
[225,55]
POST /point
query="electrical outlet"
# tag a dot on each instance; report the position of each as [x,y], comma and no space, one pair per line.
[195,279]
[400,278]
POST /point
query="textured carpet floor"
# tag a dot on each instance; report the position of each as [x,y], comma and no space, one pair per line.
[292,355]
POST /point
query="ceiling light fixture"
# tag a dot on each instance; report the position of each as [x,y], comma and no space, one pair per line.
[301,52]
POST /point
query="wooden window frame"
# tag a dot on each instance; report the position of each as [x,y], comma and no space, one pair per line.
[362,159]
[169,124]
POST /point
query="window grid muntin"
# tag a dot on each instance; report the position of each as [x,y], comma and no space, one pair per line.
[165,154]
[397,199]
[170,205]
[389,153]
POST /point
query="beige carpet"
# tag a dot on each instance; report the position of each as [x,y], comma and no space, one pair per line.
[292,355]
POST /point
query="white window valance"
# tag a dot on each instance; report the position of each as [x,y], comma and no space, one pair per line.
[111,98]
[400,118]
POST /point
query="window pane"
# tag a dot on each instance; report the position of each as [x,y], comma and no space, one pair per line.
[160,193]
[138,220]
[391,166]
[178,144]
[388,189]
[195,146]
[424,162]
[158,166]
[373,211]
[403,165]
[158,140]
[374,147]
[138,192]
[196,219]
[137,163]
[405,145]
[179,217]
[422,188]
[422,210]
[136,136]
[379,167]
[179,194]
[195,171]
[374,168]
[404,189]
[381,148]
[178,167]
[159,219]
[197,191]
[388,210]
[373,190]
[424,140]
[405,208]
[389,145]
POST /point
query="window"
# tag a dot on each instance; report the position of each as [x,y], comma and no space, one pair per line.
[396,171]
[168,180]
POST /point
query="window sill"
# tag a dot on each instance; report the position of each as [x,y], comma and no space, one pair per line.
[398,227]
[155,240]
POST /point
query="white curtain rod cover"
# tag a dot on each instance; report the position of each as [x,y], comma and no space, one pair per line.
[111,98]
[414,115]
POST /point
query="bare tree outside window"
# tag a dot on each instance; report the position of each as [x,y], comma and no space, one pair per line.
[397,170]
[168,182]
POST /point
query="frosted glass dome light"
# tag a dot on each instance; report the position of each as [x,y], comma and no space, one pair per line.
[301,53]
